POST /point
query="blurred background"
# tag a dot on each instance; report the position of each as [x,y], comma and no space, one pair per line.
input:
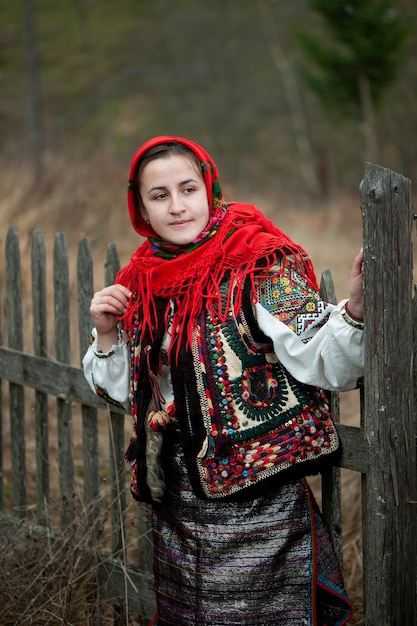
[290,99]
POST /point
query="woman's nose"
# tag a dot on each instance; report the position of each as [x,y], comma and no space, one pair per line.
[176,205]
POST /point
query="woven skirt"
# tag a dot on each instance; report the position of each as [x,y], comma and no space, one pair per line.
[265,561]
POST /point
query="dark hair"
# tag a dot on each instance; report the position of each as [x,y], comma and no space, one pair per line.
[161,151]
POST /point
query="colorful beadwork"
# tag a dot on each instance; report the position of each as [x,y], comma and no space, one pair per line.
[288,296]
[262,420]
[299,439]
[243,416]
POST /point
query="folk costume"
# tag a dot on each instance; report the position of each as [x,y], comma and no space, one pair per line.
[222,354]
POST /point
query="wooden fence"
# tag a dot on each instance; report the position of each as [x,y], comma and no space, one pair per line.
[382,449]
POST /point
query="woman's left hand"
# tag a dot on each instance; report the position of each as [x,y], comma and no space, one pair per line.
[355,303]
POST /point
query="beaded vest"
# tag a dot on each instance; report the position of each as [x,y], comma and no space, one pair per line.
[243,420]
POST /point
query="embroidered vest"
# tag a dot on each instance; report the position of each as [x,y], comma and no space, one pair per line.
[244,420]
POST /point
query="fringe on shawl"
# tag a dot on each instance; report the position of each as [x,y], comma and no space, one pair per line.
[193,280]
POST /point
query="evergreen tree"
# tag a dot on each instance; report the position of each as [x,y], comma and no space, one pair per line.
[352,69]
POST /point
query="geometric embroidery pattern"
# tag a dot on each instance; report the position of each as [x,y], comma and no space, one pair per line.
[289,298]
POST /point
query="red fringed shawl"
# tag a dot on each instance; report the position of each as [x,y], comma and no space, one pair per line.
[238,238]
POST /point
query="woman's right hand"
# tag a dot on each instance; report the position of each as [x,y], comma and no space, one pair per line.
[355,303]
[105,308]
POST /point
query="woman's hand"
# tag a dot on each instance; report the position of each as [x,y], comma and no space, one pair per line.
[355,304]
[106,306]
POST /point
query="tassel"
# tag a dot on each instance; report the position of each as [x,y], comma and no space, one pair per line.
[156,424]
[154,438]
[131,452]
[158,420]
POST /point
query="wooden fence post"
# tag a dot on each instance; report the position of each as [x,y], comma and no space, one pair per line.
[116,439]
[331,478]
[91,467]
[1,426]
[40,348]
[389,485]
[17,394]
[63,354]
[117,463]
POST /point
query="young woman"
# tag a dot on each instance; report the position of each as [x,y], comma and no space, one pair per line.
[216,338]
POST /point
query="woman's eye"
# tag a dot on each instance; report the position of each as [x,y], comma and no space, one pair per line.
[189,189]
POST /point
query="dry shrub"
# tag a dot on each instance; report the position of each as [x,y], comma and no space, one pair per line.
[45,584]
[56,577]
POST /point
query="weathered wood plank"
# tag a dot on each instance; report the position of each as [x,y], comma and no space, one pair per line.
[1,427]
[85,282]
[145,541]
[40,348]
[63,354]
[118,483]
[331,478]
[49,376]
[17,400]
[389,529]
[414,305]
[117,463]
[89,414]
[117,443]
[354,448]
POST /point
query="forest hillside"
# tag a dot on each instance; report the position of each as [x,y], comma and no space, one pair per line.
[94,79]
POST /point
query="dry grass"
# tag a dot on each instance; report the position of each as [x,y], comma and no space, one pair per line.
[55,577]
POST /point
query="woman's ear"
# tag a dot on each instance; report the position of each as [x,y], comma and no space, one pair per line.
[143,212]
[140,206]
[144,215]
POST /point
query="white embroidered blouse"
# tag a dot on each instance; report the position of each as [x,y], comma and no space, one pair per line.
[318,343]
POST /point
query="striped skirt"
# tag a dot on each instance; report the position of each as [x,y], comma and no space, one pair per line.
[266,561]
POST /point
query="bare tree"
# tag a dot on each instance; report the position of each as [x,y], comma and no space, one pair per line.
[293,97]
[33,88]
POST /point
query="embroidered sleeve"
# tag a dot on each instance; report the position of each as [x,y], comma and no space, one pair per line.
[318,342]
[288,297]
[108,373]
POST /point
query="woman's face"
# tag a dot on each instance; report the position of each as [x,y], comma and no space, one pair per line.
[174,198]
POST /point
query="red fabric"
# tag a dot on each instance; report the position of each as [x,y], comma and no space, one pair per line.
[192,279]
[210,174]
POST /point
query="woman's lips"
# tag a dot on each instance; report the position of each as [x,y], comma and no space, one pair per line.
[180,223]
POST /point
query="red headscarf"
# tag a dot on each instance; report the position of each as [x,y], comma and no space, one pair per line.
[237,237]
